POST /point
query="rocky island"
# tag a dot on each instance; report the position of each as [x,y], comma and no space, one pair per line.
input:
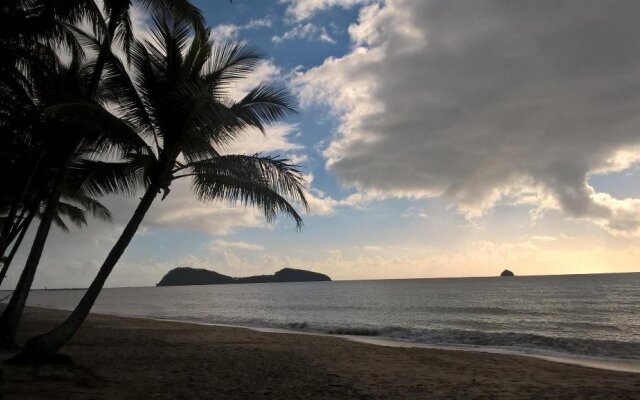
[506,272]
[185,276]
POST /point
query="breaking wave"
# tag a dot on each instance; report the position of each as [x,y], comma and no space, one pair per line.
[522,342]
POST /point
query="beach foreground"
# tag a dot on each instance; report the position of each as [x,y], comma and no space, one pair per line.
[128,358]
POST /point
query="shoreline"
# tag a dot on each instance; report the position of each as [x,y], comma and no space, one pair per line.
[131,358]
[631,366]
[618,365]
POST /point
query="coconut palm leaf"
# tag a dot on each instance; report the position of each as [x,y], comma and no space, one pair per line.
[265,104]
[59,222]
[100,178]
[73,213]
[278,174]
[182,9]
[246,191]
[101,130]
[91,206]
[229,61]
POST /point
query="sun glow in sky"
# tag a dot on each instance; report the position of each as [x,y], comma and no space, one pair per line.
[440,138]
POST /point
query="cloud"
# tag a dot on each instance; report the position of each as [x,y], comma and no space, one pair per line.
[303,9]
[415,212]
[181,210]
[275,139]
[258,23]
[225,31]
[232,31]
[298,158]
[487,102]
[266,71]
[308,31]
[322,204]
[222,244]
[545,238]
[476,258]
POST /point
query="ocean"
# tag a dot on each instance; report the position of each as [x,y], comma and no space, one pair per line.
[577,316]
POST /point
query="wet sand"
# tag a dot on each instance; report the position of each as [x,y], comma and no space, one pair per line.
[129,358]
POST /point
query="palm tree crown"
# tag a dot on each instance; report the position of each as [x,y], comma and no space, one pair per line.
[177,94]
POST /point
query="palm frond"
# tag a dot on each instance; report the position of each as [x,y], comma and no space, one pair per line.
[230,61]
[72,213]
[248,192]
[256,180]
[132,98]
[197,147]
[279,174]
[180,8]
[123,37]
[57,220]
[170,38]
[100,129]
[198,54]
[89,205]
[265,104]
[99,178]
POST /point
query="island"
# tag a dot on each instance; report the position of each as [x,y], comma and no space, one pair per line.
[185,276]
[506,272]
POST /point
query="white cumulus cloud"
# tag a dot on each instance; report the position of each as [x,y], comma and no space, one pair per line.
[306,31]
[232,31]
[486,102]
[240,245]
[303,9]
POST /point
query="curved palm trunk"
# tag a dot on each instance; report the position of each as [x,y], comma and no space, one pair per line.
[16,245]
[41,347]
[12,314]
[5,235]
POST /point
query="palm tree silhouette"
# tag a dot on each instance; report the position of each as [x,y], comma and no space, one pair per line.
[29,33]
[119,29]
[68,129]
[74,206]
[177,96]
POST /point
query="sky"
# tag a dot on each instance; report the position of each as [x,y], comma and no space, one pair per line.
[439,138]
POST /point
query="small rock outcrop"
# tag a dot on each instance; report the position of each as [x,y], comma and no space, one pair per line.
[184,276]
[506,272]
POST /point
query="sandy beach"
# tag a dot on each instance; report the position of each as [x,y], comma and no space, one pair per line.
[128,358]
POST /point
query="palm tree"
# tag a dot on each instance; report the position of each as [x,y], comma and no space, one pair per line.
[19,207]
[16,210]
[6,260]
[30,30]
[30,33]
[74,205]
[177,95]
[70,129]
[119,29]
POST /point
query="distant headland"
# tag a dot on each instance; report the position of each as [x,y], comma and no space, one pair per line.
[185,276]
[506,272]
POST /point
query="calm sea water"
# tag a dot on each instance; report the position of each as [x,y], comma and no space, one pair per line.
[577,315]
